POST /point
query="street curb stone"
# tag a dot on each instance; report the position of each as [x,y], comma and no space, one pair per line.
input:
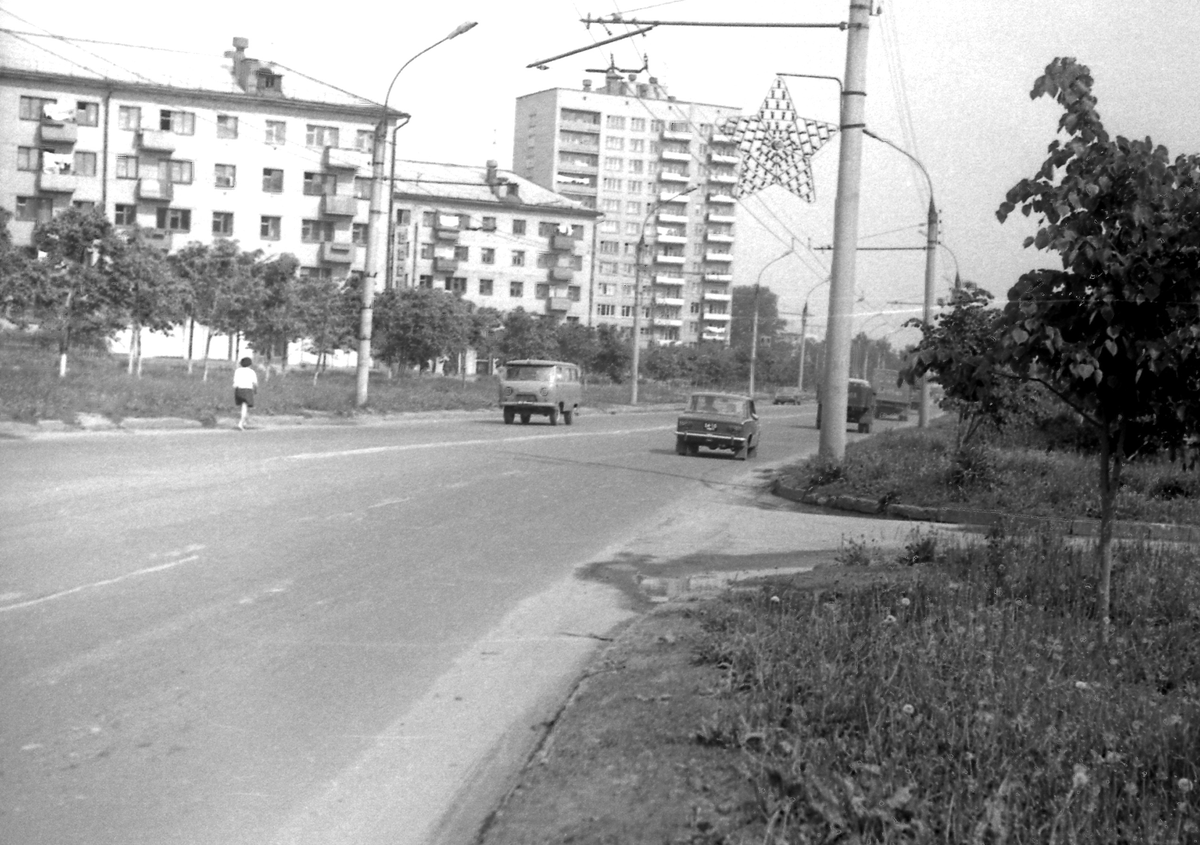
[983,519]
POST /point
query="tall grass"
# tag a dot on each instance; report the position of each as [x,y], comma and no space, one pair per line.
[973,702]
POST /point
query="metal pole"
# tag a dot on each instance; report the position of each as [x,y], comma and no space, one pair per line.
[754,329]
[803,342]
[927,313]
[835,383]
[637,313]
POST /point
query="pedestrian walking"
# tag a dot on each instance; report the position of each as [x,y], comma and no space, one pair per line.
[245,385]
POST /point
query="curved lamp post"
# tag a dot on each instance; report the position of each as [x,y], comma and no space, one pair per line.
[754,325]
[637,288]
[804,327]
[375,230]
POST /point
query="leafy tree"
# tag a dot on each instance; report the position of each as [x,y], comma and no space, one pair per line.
[1115,332]
[74,289]
[741,323]
[16,275]
[526,336]
[222,288]
[329,311]
[576,343]
[483,333]
[613,355]
[416,326]
[277,317]
[156,298]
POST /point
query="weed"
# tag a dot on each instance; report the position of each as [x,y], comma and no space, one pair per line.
[854,553]
[921,548]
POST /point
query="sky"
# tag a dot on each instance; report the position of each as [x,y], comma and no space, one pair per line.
[948,80]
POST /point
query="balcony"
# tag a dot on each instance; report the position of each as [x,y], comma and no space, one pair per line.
[669,259]
[722,138]
[339,205]
[561,274]
[444,265]
[337,253]
[336,158]
[714,296]
[563,243]
[578,165]
[558,304]
[717,318]
[718,277]
[580,125]
[718,256]
[675,155]
[718,217]
[719,178]
[668,217]
[721,158]
[667,198]
[668,322]
[58,133]
[668,281]
[719,237]
[669,301]
[159,239]
[155,190]
[58,183]
[673,178]
[721,199]
[156,141]
[670,238]
[672,135]
[446,234]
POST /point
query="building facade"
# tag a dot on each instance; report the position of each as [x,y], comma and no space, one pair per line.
[662,175]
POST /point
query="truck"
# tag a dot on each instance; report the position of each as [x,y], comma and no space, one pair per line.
[891,399]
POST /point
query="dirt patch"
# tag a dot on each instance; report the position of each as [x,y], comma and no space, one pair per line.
[624,762]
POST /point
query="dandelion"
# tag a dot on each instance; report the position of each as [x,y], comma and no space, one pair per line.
[1131,789]
[1081,685]
[1173,720]
[1183,785]
[889,620]
[908,710]
[774,599]
[1080,779]
[905,602]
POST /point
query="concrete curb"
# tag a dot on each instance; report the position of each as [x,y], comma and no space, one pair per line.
[983,520]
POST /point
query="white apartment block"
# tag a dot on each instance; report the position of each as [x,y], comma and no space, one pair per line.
[495,238]
[655,167]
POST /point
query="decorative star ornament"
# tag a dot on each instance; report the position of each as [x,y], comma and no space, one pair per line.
[776,145]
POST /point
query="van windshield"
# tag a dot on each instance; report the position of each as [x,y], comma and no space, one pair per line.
[529,373]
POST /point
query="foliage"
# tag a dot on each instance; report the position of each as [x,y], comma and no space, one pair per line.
[277,316]
[741,321]
[1114,333]
[329,314]
[223,289]
[967,700]
[156,298]
[613,355]
[15,274]
[416,326]
[524,335]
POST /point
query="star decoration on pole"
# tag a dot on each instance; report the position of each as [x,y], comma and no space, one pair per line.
[777,145]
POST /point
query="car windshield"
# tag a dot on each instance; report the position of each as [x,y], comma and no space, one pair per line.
[717,405]
[528,373]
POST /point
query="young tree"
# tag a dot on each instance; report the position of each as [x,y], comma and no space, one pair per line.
[1114,333]
[416,326]
[328,315]
[222,289]
[741,323]
[156,298]
[277,317]
[576,343]
[16,275]
[613,354]
[75,291]
[526,336]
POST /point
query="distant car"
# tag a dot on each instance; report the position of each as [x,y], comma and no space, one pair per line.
[860,405]
[786,396]
[718,421]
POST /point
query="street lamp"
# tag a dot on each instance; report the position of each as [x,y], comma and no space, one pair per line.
[637,286]
[930,262]
[754,325]
[374,228]
[804,327]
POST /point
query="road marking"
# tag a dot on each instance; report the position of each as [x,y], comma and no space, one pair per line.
[374,450]
[150,570]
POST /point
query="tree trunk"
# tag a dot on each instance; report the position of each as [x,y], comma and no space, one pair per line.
[1111,455]
[191,337]
[139,353]
[207,343]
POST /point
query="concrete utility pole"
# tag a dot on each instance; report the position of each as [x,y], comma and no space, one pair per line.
[376,230]
[835,388]
[927,313]
[803,343]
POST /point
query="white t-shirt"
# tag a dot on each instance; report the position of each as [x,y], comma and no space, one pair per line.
[245,377]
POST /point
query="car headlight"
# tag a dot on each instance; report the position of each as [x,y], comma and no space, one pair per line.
[545,391]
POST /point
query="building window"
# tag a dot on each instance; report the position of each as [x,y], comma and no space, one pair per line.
[547,230]
[29,158]
[637,166]
[485,287]
[610,205]
[127,167]
[615,121]
[518,258]
[174,219]
[488,224]
[425,281]
[516,290]
[316,272]
[518,227]
[269,228]
[611,184]
[358,233]
[36,209]
[223,223]
[320,184]
[456,284]
[225,175]
[573,293]
[320,136]
[85,206]
[637,124]
[428,218]
[87,114]
[362,187]
[541,290]
[85,164]
[626,310]
[614,142]
[608,267]
[609,247]
[487,255]
[125,215]
[227,126]
[32,108]
[612,227]
[276,133]
[316,231]
[614,164]
[633,227]
[635,186]
[129,117]
[426,252]
[364,140]
[633,208]
[272,180]
[179,122]
[462,253]
[604,310]
[546,260]
[175,170]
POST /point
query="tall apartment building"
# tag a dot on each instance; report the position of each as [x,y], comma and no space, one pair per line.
[498,239]
[657,168]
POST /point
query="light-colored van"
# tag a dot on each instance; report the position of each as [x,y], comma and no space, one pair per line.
[545,388]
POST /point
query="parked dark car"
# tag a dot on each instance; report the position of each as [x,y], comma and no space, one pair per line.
[860,405]
[786,396]
[718,421]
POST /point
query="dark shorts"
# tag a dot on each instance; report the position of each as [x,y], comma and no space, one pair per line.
[243,396]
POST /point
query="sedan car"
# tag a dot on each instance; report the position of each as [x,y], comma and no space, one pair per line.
[718,421]
[787,396]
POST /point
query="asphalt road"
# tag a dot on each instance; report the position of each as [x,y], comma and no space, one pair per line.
[312,634]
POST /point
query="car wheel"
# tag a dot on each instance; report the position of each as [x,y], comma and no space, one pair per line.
[751,448]
[554,416]
[524,419]
[693,449]
[680,446]
[509,416]
[568,417]
[864,427]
